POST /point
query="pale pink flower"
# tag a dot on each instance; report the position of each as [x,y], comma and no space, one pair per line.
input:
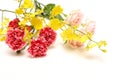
[75,18]
[90,26]
[75,43]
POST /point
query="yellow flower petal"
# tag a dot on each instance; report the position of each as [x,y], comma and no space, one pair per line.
[84,38]
[19,11]
[56,10]
[22,23]
[102,43]
[69,35]
[56,24]
[28,4]
[37,23]
[2,34]
[5,22]
[91,45]
[28,36]
[2,38]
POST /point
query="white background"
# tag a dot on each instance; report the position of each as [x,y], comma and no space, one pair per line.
[65,64]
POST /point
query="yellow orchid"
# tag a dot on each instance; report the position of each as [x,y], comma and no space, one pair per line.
[3,34]
[28,4]
[5,22]
[37,22]
[69,35]
[19,11]
[56,24]
[56,10]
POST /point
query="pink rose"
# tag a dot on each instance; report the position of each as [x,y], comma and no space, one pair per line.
[90,26]
[75,18]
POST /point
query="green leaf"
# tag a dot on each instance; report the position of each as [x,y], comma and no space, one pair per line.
[104,50]
[59,17]
[65,15]
[47,10]
[37,5]
[65,42]
[83,24]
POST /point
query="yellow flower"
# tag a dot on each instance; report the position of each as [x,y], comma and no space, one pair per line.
[19,11]
[56,10]
[23,22]
[5,22]
[28,4]
[3,31]
[91,45]
[37,22]
[102,43]
[28,36]
[83,38]
[38,11]
[69,35]
[2,34]
[2,38]
[55,24]
[27,17]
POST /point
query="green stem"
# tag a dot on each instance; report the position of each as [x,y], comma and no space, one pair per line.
[81,32]
[2,19]
[35,4]
[20,3]
[93,40]
[39,3]
[88,37]
[65,15]
[61,29]
[65,42]
[4,10]
[19,51]
[31,10]
[45,22]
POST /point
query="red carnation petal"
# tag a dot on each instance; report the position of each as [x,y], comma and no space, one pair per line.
[37,48]
[14,23]
[14,39]
[49,34]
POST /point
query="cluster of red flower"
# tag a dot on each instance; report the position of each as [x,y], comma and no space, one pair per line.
[38,47]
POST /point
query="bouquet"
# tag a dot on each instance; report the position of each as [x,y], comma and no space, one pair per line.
[35,27]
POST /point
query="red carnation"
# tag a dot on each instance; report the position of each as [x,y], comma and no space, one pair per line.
[37,48]
[14,23]
[14,39]
[49,35]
